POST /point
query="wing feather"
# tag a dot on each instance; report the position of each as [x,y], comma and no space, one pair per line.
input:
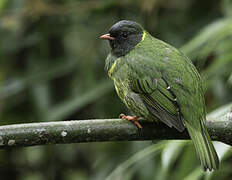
[159,101]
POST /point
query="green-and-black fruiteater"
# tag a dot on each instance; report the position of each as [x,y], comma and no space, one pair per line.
[158,82]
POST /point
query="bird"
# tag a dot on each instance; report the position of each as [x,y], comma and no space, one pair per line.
[158,82]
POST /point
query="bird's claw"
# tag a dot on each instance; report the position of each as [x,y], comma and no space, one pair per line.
[134,119]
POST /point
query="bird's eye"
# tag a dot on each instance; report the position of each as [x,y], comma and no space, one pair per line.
[124,35]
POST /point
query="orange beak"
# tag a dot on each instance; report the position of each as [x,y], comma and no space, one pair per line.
[107,37]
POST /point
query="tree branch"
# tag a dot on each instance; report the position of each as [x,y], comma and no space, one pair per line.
[97,130]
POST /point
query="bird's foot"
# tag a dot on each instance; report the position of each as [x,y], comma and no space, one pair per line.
[134,119]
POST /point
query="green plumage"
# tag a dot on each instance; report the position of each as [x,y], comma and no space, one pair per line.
[159,83]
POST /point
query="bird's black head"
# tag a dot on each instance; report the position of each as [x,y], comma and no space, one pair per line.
[124,36]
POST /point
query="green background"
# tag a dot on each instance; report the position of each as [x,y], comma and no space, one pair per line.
[52,69]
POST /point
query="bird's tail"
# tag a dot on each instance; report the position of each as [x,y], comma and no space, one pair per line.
[204,147]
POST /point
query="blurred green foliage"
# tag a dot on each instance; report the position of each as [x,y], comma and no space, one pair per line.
[52,68]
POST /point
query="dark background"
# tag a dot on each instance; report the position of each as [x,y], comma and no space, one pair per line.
[52,69]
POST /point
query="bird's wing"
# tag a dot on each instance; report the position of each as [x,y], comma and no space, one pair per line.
[154,90]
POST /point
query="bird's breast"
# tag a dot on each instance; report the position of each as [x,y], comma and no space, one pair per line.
[119,74]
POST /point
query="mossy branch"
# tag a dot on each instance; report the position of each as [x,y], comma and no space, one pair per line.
[78,131]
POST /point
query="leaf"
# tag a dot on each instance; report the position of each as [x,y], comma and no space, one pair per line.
[75,103]
[171,153]
[196,174]
[18,84]
[208,38]
[123,168]
[220,111]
